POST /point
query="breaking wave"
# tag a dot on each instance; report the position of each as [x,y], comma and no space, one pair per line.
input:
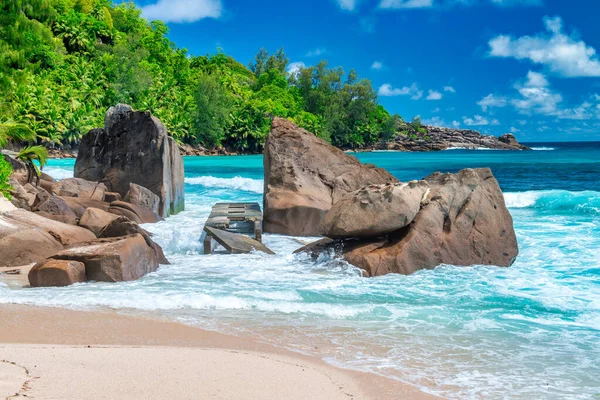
[237,183]
[584,202]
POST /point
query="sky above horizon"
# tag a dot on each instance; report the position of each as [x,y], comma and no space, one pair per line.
[529,67]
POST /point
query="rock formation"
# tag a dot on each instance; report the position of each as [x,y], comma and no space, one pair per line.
[305,176]
[374,210]
[462,220]
[56,273]
[133,147]
[434,138]
[113,260]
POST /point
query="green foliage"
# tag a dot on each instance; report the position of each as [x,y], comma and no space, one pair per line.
[212,115]
[28,155]
[5,171]
[15,132]
[64,62]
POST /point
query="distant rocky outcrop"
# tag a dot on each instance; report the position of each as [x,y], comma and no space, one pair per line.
[460,219]
[433,138]
[305,176]
[133,147]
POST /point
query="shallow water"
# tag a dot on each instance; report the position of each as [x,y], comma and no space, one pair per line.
[529,331]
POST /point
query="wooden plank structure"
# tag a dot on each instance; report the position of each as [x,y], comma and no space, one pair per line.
[228,223]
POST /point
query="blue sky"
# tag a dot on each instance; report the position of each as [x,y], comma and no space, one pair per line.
[524,66]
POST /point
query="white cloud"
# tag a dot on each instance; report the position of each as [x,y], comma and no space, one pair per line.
[436,110]
[449,89]
[377,66]
[435,121]
[455,124]
[182,10]
[514,130]
[491,100]
[434,95]
[387,90]
[398,4]
[536,96]
[510,3]
[316,52]
[562,54]
[294,67]
[478,120]
[406,4]
[349,5]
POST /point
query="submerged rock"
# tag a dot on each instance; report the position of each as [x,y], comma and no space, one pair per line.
[463,220]
[305,176]
[134,147]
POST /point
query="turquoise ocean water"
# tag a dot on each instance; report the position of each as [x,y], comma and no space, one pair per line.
[531,331]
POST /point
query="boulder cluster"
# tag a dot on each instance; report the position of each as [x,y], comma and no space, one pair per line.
[78,229]
[434,138]
[376,222]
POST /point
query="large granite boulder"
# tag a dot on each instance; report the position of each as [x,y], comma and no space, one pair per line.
[463,220]
[374,210]
[305,176]
[134,147]
[56,208]
[122,226]
[143,197]
[113,260]
[134,212]
[80,188]
[56,273]
[22,242]
[95,219]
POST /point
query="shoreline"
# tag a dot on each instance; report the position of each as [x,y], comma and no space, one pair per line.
[54,343]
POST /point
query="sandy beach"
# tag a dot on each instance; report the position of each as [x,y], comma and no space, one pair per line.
[51,353]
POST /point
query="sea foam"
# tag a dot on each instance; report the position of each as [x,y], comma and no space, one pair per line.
[238,183]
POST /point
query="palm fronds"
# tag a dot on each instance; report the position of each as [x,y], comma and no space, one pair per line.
[30,154]
[16,132]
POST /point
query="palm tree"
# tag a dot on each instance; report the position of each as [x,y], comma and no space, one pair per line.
[16,132]
[28,155]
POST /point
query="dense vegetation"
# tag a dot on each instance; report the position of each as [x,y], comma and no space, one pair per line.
[64,62]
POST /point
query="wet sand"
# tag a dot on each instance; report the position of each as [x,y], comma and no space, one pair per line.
[52,353]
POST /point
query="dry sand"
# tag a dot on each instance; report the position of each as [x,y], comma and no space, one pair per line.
[50,353]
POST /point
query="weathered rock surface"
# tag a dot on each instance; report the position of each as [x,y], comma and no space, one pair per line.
[57,209]
[462,221]
[134,212]
[134,147]
[142,197]
[436,138]
[22,244]
[374,210]
[113,260]
[80,188]
[79,205]
[65,234]
[122,226]
[57,273]
[305,176]
[109,197]
[95,220]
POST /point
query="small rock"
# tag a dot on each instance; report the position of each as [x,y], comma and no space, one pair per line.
[57,273]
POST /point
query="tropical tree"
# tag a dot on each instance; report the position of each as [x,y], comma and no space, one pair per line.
[15,132]
[28,155]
